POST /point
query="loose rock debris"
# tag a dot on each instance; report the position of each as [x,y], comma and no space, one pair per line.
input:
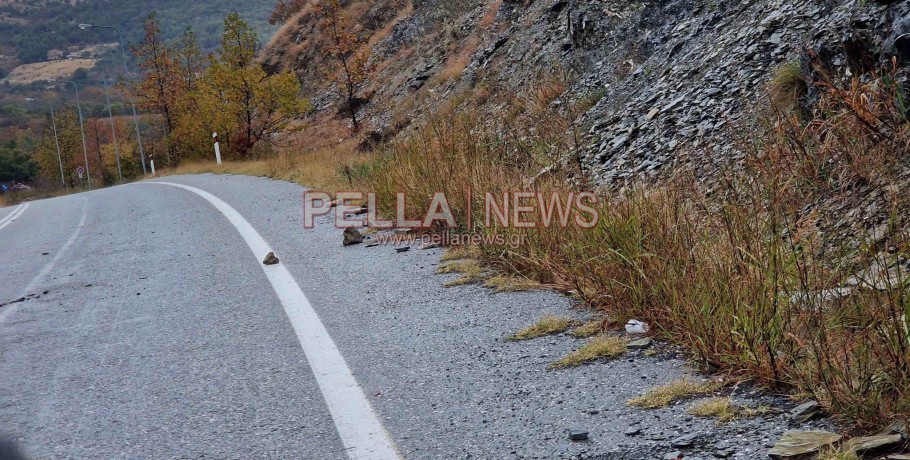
[270,259]
[796,444]
[578,434]
[352,236]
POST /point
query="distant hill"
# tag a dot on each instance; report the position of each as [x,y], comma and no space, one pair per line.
[29,29]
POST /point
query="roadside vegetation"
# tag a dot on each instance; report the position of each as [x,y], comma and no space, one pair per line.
[588,329]
[739,275]
[600,347]
[321,168]
[548,325]
[724,410]
[677,390]
[511,283]
[469,269]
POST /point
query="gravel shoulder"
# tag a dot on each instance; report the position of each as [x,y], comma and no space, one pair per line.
[437,367]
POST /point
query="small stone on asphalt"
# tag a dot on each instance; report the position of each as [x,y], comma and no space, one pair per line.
[352,236]
[578,434]
[270,259]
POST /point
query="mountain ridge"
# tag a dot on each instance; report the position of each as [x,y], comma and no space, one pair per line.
[29,32]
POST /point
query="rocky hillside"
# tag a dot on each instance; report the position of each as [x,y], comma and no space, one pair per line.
[659,83]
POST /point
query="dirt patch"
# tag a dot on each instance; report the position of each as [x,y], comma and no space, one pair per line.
[30,73]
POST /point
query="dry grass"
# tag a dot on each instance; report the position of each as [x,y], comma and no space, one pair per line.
[601,347]
[756,411]
[12,199]
[461,252]
[470,270]
[724,410]
[489,15]
[258,168]
[458,60]
[42,71]
[835,454]
[712,272]
[510,283]
[548,325]
[324,169]
[788,85]
[588,329]
[664,395]
[387,29]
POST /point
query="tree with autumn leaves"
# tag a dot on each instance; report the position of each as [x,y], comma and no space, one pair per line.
[102,155]
[232,94]
[161,90]
[345,46]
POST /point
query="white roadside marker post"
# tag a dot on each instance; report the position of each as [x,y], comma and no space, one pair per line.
[217,148]
[152,162]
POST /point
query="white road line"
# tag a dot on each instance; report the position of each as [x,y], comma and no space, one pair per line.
[358,425]
[10,215]
[13,215]
[10,309]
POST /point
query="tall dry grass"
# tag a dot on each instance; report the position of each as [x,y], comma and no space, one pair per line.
[733,275]
[330,168]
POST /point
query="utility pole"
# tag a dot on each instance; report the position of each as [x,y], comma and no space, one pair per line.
[56,140]
[126,70]
[81,128]
[110,115]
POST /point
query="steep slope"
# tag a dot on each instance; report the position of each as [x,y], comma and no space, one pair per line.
[662,82]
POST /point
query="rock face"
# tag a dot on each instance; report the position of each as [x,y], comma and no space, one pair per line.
[668,83]
[797,444]
[705,71]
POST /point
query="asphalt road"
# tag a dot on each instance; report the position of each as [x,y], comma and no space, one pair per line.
[149,330]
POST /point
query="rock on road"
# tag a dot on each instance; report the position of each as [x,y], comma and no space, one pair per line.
[148,329]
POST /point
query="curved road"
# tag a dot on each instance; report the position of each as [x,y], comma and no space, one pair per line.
[136,322]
